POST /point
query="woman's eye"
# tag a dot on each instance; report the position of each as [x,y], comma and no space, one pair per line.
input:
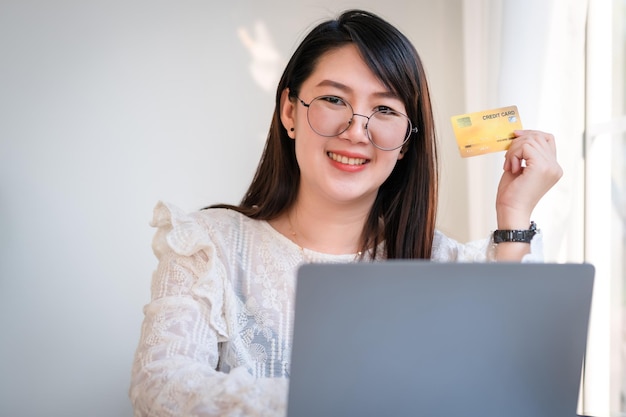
[334,100]
[385,109]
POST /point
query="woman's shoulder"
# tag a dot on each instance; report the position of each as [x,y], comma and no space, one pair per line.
[187,232]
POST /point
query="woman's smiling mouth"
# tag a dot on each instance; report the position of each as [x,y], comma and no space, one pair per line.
[345,160]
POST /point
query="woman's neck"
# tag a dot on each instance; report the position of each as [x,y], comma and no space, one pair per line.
[331,228]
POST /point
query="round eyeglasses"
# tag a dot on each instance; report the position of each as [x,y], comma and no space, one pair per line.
[331,116]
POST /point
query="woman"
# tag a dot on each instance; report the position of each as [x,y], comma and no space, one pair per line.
[349,173]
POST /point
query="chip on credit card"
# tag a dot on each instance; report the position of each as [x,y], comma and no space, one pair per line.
[486,131]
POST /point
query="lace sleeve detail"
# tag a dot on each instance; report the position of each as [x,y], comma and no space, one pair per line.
[174,371]
[446,249]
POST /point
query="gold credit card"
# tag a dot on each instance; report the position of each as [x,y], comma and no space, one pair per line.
[486,131]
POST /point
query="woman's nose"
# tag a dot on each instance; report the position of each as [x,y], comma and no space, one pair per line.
[357,131]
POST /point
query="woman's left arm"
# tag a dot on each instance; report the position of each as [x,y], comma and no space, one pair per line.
[530,170]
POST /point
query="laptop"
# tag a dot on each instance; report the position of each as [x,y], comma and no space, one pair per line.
[418,338]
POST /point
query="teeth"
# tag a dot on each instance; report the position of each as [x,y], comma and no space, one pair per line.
[346,160]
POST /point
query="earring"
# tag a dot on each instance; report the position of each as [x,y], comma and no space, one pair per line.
[292,129]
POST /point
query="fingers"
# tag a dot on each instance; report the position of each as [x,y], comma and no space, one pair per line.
[537,138]
[530,146]
[531,169]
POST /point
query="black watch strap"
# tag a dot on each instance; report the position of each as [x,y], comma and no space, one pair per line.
[524,236]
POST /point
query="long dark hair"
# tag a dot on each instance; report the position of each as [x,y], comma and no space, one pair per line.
[403,214]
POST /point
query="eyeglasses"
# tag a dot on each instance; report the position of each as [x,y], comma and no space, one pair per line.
[331,116]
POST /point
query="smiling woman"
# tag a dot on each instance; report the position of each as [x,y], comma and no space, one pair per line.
[348,174]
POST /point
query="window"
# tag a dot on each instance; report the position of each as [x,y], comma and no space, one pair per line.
[605,205]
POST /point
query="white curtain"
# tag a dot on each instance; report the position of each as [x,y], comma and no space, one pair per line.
[530,54]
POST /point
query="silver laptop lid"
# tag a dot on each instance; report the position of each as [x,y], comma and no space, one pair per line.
[413,338]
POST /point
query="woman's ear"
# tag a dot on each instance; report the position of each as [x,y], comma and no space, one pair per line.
[288,113]
[402,152]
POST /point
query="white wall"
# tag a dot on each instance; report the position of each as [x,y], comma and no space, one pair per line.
[108,106]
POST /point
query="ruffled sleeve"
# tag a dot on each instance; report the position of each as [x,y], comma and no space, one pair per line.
[446,249]
[174,371]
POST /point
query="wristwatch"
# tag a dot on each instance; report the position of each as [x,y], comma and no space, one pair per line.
[524,236]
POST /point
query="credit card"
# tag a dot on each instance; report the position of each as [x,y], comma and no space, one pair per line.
[486,131]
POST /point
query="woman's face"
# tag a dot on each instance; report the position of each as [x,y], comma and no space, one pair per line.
[346,168]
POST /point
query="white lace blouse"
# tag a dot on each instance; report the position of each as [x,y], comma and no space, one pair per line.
[216,337]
